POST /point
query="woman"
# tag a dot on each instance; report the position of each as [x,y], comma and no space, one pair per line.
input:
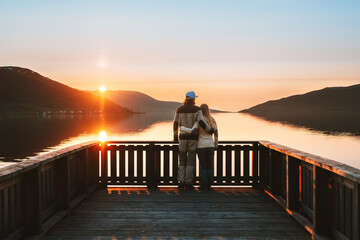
[205,149]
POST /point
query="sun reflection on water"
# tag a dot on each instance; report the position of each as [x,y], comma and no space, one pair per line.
[238,127]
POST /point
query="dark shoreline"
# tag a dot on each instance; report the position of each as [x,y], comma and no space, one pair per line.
[335,123]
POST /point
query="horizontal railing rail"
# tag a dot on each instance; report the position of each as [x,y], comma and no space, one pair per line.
[321,194]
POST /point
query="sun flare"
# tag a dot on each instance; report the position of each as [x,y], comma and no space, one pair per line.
[102,89]
[102,136]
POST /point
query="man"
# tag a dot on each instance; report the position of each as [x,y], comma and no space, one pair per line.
[186,115]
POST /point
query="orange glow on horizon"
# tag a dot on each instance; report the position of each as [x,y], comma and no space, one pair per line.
[223,94]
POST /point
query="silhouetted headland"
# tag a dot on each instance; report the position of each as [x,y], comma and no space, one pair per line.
[25,91]
[334,109]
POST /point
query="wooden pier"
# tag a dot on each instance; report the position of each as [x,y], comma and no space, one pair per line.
[69,194]
[128,213]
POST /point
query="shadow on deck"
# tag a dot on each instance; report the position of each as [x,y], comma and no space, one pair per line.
[138,213]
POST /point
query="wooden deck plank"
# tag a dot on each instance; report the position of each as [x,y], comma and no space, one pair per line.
[166,214]
[141,235]
[169,214]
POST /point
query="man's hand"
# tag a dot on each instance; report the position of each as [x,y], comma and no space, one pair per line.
[203,126]
[195,131]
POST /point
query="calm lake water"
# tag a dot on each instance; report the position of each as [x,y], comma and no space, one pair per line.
[21,138]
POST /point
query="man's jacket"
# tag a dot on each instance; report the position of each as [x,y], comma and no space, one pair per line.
[186,115]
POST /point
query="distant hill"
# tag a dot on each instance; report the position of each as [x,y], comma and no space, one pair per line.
[23,90]
[141,102]
[328,109]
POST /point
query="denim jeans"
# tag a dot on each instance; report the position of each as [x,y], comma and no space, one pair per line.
[206,160]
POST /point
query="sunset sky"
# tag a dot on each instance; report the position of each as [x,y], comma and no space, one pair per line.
[233,54]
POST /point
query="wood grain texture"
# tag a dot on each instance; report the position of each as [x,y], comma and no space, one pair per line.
[138,213]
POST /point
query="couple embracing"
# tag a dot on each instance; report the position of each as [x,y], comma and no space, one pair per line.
[197,128]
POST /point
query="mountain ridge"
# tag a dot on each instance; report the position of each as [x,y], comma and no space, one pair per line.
[327,99]
[331,109]
[141,102]
[24,90]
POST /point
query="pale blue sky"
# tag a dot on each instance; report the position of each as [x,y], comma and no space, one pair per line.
[163,48]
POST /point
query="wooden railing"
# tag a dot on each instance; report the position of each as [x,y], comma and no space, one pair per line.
[156,163]
[321,194]
[37,193]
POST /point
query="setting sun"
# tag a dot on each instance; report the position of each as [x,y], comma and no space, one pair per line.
[102,89]
[102,136]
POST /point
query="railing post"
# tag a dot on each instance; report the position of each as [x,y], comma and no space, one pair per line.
[271,169]
[62,182]
[292,183]
[275,172]
[356,212]
[255,167]
[95,165]
[320,200]
[104,164]
[264,166]
[32,199]
[91,167]
[87,170]
[151,165]
[82,169]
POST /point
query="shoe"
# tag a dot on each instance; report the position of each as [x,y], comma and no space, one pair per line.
[181,187]
[203,188]
[189,187]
